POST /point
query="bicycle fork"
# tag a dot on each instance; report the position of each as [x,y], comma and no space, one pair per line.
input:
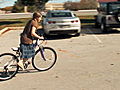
[42,52]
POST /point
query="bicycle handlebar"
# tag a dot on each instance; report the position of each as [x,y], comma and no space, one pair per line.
[43,40]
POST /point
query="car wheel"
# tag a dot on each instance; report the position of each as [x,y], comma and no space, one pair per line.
[118,17]
[103,27]
[77,34]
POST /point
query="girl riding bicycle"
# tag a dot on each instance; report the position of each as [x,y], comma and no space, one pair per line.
[26,39]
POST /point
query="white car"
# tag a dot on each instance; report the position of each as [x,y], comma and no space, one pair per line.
[61,22]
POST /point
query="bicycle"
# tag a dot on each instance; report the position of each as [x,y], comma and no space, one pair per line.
[43,60]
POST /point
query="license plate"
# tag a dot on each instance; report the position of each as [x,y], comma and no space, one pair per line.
[64,26]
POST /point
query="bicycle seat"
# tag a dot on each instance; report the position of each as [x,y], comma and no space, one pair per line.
[15,49]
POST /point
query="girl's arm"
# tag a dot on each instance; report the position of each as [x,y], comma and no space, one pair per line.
[34,34]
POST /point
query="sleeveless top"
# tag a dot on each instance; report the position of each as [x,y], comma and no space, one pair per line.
[26,37]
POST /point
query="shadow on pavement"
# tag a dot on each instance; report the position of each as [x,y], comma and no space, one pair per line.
[88,27]
[91,29]
[9,22]
[28,71]
[56,37]
[53,37]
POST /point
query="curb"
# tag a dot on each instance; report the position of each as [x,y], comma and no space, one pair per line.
[8,29]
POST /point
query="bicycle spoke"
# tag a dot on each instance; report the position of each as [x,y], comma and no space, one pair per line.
[8,66]
[44,59]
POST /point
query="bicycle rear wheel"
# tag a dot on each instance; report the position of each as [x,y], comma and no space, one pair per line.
[44,59]
[8,66]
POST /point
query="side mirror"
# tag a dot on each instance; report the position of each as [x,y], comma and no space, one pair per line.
[75,15]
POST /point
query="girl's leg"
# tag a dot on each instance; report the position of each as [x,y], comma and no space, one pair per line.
[21,63]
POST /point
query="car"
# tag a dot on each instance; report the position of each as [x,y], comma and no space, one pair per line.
[108,16]
[61,22]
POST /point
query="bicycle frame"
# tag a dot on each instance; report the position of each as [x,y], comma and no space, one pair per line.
[42,52]
[40,48]
[8,64]
[10,68]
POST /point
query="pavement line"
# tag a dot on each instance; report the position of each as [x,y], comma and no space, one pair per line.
[3,30]
[95,36]
[8,29]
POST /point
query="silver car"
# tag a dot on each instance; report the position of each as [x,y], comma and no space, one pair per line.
[61,22]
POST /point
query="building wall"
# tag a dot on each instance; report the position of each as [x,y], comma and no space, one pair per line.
[54,6]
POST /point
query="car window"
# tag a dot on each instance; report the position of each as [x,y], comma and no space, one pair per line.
[103,7]
[61,14]
[114,7]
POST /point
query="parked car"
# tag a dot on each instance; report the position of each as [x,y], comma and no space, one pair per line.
[108,16]
[61,22]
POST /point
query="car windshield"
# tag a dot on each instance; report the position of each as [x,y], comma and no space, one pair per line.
[61,14]
[114,7]
[103,7]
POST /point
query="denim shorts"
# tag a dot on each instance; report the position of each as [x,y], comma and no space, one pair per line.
[27,50]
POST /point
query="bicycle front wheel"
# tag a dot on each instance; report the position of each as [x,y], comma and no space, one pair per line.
[8,66]
[44,59]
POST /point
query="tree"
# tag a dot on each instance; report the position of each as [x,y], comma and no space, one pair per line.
[7,8]
[33,2]
[88,4]
[29,5]
[83,4]
[18,7]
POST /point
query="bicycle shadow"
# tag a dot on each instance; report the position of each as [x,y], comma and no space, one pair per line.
[23,72]
[28,71]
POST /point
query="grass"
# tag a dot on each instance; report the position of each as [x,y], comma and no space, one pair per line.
[85,20]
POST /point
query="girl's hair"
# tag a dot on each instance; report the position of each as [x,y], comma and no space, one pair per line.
[37,15]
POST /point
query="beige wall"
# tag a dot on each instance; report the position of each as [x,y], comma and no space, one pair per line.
[54,6]
[2,12]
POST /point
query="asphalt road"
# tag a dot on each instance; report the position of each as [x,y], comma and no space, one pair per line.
[88,62]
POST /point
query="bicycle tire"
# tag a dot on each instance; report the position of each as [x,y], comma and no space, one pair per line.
[38,61]
[8,66]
